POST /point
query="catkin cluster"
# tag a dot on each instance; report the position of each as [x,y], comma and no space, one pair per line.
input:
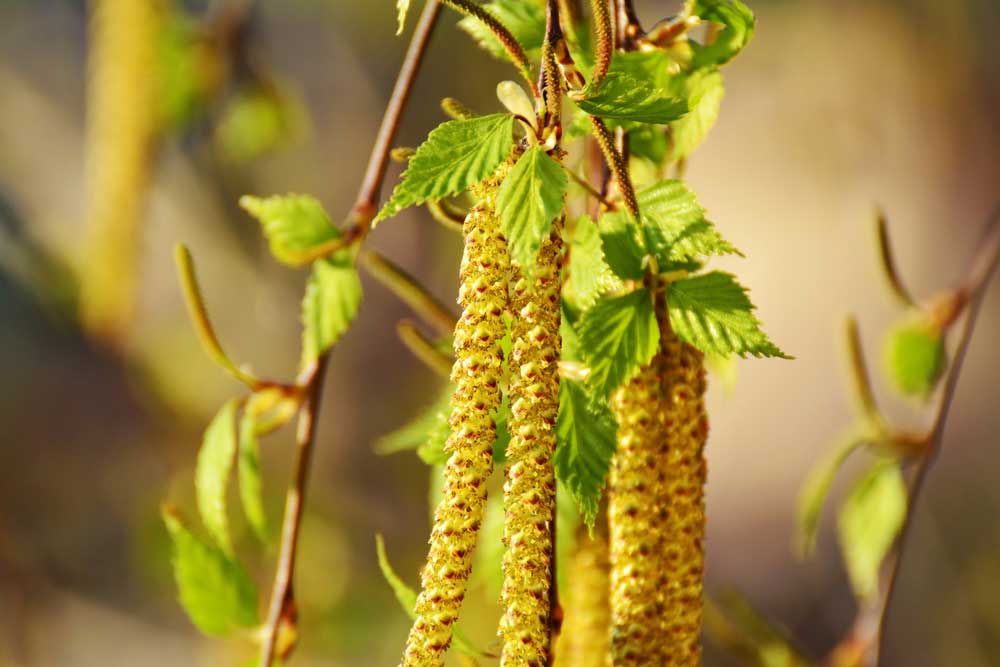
[477,375]
[121,125]
[529,491]
[583,641]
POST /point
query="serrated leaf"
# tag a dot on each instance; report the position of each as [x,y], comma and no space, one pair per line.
[585,429]
[524,20]
[402,8]
[704,91]
[407,598]
[330,303]
[737,28]
[215,590]
[621,240]
[869,520]
[714,313]
[248,472]
[530,198]
[589,274]
[623,97]
[211,477]
[293,224]
[618,337]
[915,358]
[456,155]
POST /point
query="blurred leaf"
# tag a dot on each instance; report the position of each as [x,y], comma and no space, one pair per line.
[456,155]
[868,523]
[293,224]
[589,274]
[260,120]
[524,19]
[617,337]
[704,92]
[733,622]
[915,358]
[215,590]
[714,313]
[585,429]
[251,486]
[530,198]
[737,28]
[186,70]
[623,97]
[331,301]
[211,479]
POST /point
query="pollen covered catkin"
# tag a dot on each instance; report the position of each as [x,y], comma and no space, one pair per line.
[477,374]
[121,126]
[583,641]
[529,491]
[685,427]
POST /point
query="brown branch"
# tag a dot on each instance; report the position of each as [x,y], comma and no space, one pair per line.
[282,605]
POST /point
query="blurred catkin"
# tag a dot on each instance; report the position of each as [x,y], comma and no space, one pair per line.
[477,374]
[121,124]
[529,492]
[583,641]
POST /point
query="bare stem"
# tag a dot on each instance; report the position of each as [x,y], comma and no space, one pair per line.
[889,262]
[449,217]
[424,349]
[409,290]
[591,190]
[859,372]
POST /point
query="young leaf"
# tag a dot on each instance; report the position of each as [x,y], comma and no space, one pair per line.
[456,154]
[529,199]
[293,225]
[585,429]
[332,298]
[589,274]
[525,20]
[738,24]
[915,357]
[704,92]
[617,337]
[622,97]
[675,227]
[215,590]
[211,477]
[402,7]
[868,523]
[248,469]
[714,313]
[621,240]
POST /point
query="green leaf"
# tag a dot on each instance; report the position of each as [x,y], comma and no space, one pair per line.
[215,590]
[251,486]
[915,357]
[738,25]
[622,97]
[589,274]
[524,20]
[675,228]
[293,225]
[621,240]
[704,91]
[618,337]
[585,429]
[814,491]
[529,199]
[714,313]
[402,8]
[407,598]
[331,301]
[211,476]
[182,70]
[456,155]
[869,520]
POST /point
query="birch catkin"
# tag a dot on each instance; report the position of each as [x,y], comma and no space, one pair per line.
[121,123]
[583,641]
[529,492]
[476,373]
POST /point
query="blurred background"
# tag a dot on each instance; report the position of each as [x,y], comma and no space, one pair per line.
[834,107]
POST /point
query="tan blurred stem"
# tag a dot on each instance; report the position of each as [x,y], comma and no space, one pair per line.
[449,217]
[424,349]
[859,373]
[120,137]
[409,290]
[889,261]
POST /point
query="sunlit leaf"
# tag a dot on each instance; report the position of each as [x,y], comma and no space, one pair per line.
[618,337]
[529,200]
[293,224]
[331,301]
[211,479]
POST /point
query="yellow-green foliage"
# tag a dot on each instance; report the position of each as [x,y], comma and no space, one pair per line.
[477,374]
[121,123]
[583,641]
[529,492]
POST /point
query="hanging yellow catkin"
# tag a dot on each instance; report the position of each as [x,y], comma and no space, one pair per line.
[121,124]
[477,374]
[685,427]
[529,492]
[583,640]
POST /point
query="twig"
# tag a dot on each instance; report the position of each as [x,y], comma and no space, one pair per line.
[859,373]
[282,605]
[409,291]
[449,217]
[889,262]
[591,190]
[424,349]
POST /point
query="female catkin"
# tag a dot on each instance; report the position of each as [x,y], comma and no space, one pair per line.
[121,124]
[477,374]
[529,491]
[583,641]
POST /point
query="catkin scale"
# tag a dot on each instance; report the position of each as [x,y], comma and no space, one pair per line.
[121,128]
[477,374]
[529,491]
[583,641]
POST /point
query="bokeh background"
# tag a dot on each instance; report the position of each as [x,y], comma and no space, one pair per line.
[834,107]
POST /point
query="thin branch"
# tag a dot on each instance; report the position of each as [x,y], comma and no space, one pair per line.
[629,30]
[591,190]
[424,349]
[889,262]
[409,290]
[859,372]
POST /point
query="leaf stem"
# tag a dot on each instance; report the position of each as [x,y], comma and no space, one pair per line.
[409,290]
[424,349]
[889,262]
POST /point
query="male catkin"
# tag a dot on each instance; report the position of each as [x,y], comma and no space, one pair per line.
[121,124]
[477,374]
[583,641]
[529,492]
